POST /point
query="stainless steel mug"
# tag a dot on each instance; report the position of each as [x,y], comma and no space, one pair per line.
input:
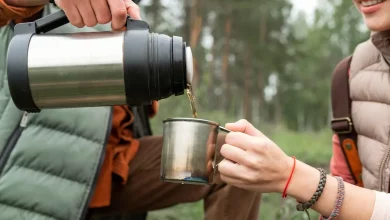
[189,150]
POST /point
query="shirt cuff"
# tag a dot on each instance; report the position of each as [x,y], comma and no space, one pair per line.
[382,208]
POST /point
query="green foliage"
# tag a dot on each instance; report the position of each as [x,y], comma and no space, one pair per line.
[190,211]
[306,80]
[273,207]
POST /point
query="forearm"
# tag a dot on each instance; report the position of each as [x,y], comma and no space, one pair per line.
[305,181]
[26,3]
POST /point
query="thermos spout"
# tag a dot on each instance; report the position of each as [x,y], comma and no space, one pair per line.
[94,69]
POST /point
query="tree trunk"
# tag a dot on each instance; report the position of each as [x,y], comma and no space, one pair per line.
[260,74]
[263,27]
[226,88]
[260,100]
[156,10]
[196,23]
[210,84]
[278,109]
[187,18]
[247,86]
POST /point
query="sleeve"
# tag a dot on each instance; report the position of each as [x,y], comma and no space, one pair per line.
[381,208]
[8,12]
[153,109]
[338,164]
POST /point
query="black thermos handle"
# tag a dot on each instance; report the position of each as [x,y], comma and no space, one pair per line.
[57,19]
[51,22]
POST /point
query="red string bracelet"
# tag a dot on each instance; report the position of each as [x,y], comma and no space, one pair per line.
[284,195]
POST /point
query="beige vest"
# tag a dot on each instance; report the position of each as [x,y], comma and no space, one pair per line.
[370,94]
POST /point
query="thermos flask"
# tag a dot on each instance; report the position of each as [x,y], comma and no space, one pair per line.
[132,67]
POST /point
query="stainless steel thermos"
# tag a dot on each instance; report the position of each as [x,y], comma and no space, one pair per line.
[131,67]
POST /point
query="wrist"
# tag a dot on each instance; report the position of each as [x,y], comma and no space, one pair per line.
[287,175]
[304,182]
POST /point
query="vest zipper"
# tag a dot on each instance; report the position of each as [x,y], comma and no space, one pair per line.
[13,139]
[102,155]
[381,171]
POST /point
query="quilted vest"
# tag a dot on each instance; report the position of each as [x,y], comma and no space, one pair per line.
[49,164]
[370,94]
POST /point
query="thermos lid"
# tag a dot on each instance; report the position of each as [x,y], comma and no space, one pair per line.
[189,65]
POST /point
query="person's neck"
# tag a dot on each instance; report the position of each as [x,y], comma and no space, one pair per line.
[381,40]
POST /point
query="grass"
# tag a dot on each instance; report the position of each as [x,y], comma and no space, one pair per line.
[312,148]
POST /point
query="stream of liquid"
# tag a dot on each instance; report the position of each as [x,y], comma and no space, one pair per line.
[191,97]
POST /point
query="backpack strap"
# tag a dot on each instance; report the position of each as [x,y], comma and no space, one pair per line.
[342,124]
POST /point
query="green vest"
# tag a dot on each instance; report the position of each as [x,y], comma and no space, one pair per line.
[49,165]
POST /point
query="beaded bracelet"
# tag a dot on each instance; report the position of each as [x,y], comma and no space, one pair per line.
[321,185]
[339,201]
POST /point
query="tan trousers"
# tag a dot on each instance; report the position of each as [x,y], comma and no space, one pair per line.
[145,191]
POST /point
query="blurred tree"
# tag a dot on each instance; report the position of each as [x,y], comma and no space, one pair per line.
[253,59]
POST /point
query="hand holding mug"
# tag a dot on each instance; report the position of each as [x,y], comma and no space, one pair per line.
[253,161]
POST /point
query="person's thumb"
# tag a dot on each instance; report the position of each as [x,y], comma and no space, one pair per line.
[244,126]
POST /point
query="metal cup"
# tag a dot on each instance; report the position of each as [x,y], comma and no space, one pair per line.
[189,150]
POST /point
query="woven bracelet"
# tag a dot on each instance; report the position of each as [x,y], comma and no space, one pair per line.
[339,201]
[321,185]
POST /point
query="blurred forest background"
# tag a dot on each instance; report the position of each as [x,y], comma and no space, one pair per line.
[255,60]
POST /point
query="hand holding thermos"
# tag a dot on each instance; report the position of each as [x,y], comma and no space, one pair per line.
[90,13]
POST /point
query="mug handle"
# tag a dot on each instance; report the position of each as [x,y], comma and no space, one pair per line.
[226,131]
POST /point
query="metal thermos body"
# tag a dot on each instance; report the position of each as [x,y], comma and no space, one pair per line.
[83,69]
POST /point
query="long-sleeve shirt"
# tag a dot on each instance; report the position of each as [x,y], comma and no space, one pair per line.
[382,206]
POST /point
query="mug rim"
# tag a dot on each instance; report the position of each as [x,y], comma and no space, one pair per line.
[204,121]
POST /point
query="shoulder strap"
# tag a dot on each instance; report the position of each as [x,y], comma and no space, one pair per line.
[342,124]
[12,24]
[141,124]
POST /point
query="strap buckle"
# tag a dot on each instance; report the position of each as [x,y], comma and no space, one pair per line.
[342,125]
